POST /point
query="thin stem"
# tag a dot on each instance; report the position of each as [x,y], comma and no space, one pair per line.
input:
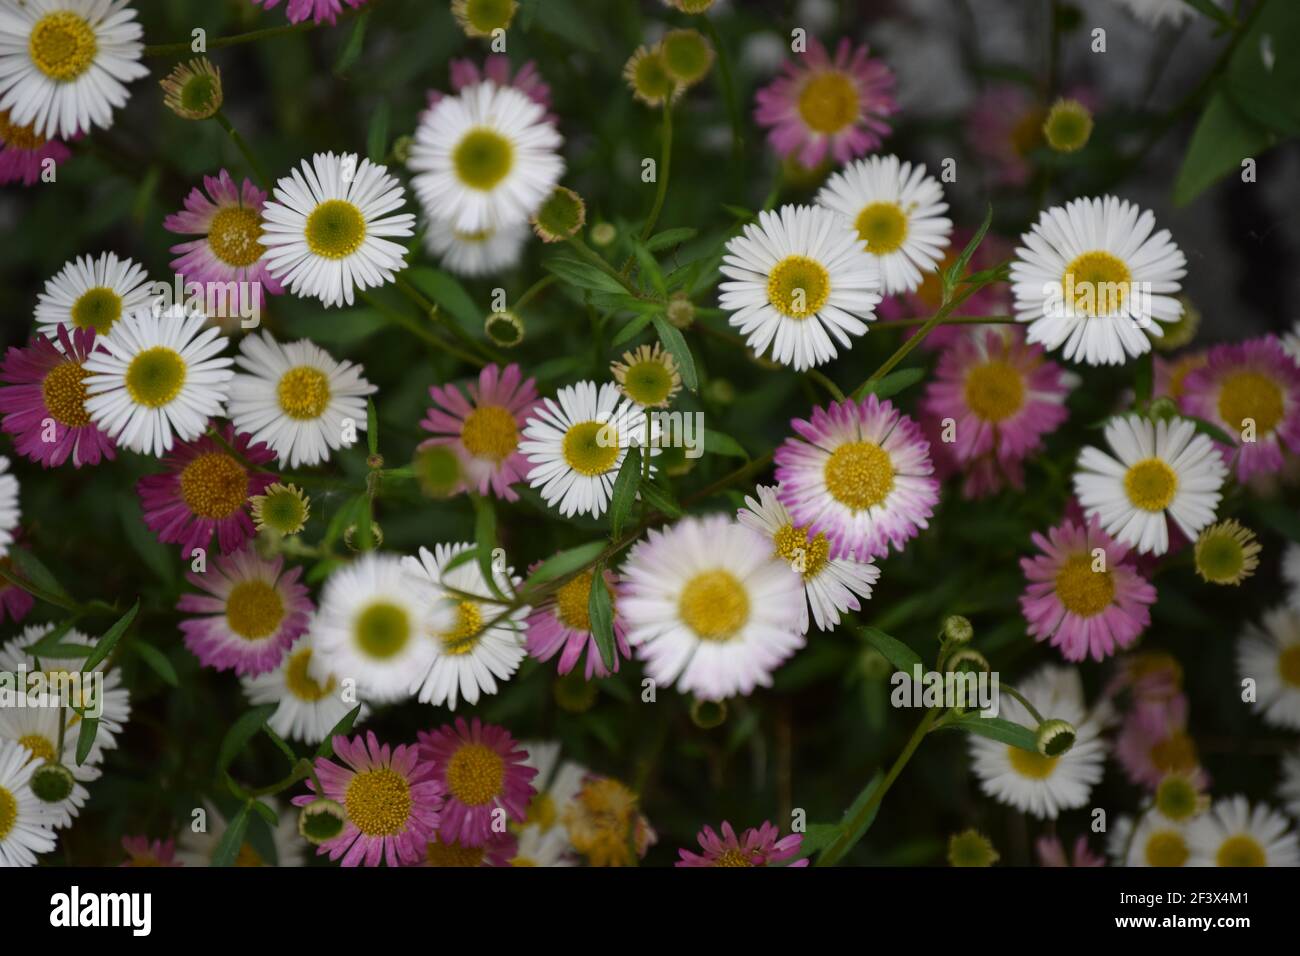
[266,33]
[950,320]
[249,158]
[38,592]
[431,309]
[419,331]
[533,291]
[822,379]
[596,260]
[728,83]
[665,167]
[1033,712]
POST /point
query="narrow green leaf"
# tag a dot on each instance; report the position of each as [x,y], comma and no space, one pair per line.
[447,292]
[661,500]
[485,539]
[352,49]
[105,645]
[1210,9]
[372,427]
[30,569]
[672,340]
[53,639]
[649,268]
[895,651]
[566,562]
[342,728]
[891,384]
[86,738]
[721,444]
[600,609]
[1224,137]
[266,813]
[623,495]
[232,840]
[1212,430]
[377,135]
[241,732]
[157,661]
[632,328]
[582,275]
[669,237]
[955,271]
[999,729]
[1142,380]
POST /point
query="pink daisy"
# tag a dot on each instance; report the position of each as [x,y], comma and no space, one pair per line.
[757,846]
[496,67]
[498,850]
[23,152]
[1253,381]
[141,851]
[15,603]
[206,489]
[229,220]
[859,473]
[321,11]
[250,614]
[392,799]
[820,106]
[1152,682]
[44,397]
[482,427]
[1149,751]
[1051,852]
[1005,126]
[481,768]
[561,625]
[1080,604]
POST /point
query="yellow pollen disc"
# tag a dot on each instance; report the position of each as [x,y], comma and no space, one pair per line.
[714,605]
[798,287]
[859,474]
[490,432]
[733,857]
[483,158]
[829,103]
[591,448]
[571,602]
[542,812]
[234,236]
[1241,850]
[378,801]
[298,679]
[1083,591]
[995,390]
[335,229]
[883,227]
[97,308]
[648,383]
[1288,665]
[475,774]
[464,636]
[1027,134]
[806,557]
[214,485]
[1166,848]
[8,812]
[1098,282]
[64,392]
[247,856]
[155,377]
[254,610]
[19,137]
[452,854]
[62,45]
[1150,484]
[382,630]
[1031,765]
[1175,754]
[303,393]
[1251,395]
[42,747]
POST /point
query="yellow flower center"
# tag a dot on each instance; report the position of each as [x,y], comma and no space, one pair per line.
[1030,764]
[591,448]
[382,630]
[298,679]
[42,747]
[714,605]
[995,390]
[483,158]
[8,812]
[1083,591]
[798,287]
[453,854]
[733,857]
[1150,484]
[600,822]
[542,812]
[378,801]
[19,137]
[571,602]
[62,45]
[97,308]
[475,774]
[883,227]
[859,474]
[247,856]
[1098,282]
[465,634]
[155,377]
[806,556]
[1288,665]
[254,610]
[1175,754]
[490,432]
[488,15]
[1251,395]
[1027,133]
[1241,850]
[1166,848]
[214,485]
[234,236]
[648,383]
[64,392]
[304,393]
[828,103]
[335,229]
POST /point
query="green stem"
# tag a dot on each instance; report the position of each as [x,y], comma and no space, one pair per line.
[665,167]
[249,158]
[419,331]
[533,291]
[728,83]
[825,382]
[39,593]
[950,320]
[431,309]
[1033,711]
[584,250]
[266,33]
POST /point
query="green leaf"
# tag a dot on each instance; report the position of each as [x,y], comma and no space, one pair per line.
[660,499]
[266,813]
[63,652]
[464,557]
[447,292]
[566,562]
[999,729]
[343,727]
[669,237]
[623,495]
[157,661]
[1277,517]
[377,135]
[721,444]
[841,832]
[649,268]
[86,738]
[891,384]
[740,212]
[372,427]
[232,840]
[30,569]
[958,268]
[672,340]
[485,539]
[600,609]
[895,651]
[105,645]
[1263,76]
[1212,430]
[54,639]
[582,274]
[241,732]
[1209,9]
[633,326]
[1223,138]
[352,49]
[1143,379]
[157,557]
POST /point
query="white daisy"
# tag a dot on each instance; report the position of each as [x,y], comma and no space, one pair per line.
[897,212]
[1290,574]
[469,656]
[373,627]
[1270,656]
[1291,343]
[1155,12]
[295,397]
[308,707]
[10,510]
[798,279]
[157,378]
[1233,833]
[24,829]
[1027,780]
[37,729]
[557,784]
[1155,841]
[1091,277]
[481,252]
[92,293]
[328,231]
[64,64]
[577,446]
[708,607]
[1163,470]
[485,158]
[198,848]
[538,847]
[831,584]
